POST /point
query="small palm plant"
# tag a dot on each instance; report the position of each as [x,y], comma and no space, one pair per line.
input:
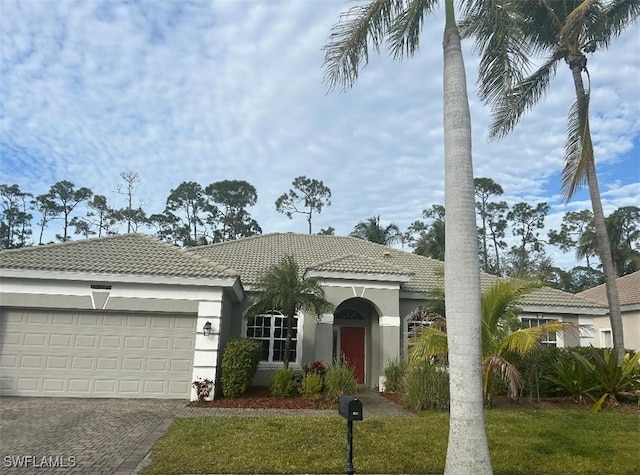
[502,335]
[611,380]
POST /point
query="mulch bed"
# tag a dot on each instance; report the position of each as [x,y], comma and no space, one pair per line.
[259,397]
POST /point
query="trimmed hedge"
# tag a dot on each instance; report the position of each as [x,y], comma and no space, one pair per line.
[239,365]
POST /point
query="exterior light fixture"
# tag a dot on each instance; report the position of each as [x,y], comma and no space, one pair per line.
[206,330]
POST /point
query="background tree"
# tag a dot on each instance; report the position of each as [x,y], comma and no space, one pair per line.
[65,198]
[15,217]
[100,216]
[282,288]
[428,238]
[131,183]
[485,188]
[372,230]
[231,197]
[397,25]
[564,31]
[185,209]
[307,196]
[528,258]
[48,210]
[496,220]
[575,224]
[623,229]
[330,231]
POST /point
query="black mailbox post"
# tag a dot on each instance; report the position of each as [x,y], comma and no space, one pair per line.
[350,408]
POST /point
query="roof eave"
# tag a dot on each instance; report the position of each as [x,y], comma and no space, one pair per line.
[548,309]
[216,281]
[402,278]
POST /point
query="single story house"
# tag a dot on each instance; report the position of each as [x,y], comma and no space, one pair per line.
[629,295]
[130,316]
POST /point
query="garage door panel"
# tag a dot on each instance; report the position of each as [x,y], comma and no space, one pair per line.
[101,355]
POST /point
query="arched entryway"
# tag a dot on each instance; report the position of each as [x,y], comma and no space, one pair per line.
[352,330]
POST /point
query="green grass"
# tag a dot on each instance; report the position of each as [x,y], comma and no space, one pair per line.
[520,442]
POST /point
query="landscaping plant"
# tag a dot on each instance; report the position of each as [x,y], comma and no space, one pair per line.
[611,380]
[281,382]
[339,381]
[311,386]
[203,388]
[394,376]
[239,365]
[426,386]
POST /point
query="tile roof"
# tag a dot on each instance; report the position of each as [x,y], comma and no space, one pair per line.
[628,290]
[252,256]
[135,254]
[359,264]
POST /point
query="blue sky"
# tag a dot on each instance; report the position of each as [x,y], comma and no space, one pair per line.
[206,91]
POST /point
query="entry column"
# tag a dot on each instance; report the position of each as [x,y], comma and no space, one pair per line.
[389,343]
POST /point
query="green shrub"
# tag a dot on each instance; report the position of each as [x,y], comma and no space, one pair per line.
[611,380]
[572,379]
[281,382]
[426,386]
[340,380]
[239,365]
[311,386]
[394,376]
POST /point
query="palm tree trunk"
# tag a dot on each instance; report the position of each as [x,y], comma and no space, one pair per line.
[467,449]
[602,237]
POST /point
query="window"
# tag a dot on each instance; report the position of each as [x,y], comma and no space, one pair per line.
[550,338]
[418,319]
[271,330]
[606,338]
[348,313]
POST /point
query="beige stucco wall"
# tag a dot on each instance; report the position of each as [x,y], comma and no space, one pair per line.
[630,325]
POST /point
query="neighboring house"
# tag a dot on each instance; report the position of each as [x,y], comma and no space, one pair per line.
[629,295]
[125,316]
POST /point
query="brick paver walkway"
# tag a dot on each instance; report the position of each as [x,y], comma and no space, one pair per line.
[113,436]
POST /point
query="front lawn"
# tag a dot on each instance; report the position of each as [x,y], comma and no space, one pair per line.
[567,441]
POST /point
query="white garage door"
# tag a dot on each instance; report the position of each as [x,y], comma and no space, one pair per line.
[95,354]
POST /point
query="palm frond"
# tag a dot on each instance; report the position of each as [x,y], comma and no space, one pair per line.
[578,149]
[497,29]
[504,370]
[348,45]
[526,340]
[586,18]
[498,308]
[508,110]
[404,34]
[619,14]
[429,342]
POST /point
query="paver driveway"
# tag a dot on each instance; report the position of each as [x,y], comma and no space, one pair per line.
[103,436]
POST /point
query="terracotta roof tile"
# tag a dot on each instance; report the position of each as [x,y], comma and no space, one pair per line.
[136,254]
[628,290]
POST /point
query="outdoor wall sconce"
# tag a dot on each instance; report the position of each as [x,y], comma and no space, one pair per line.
[206,330]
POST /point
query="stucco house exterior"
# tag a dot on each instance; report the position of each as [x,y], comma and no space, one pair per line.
[629,295]
[125,315]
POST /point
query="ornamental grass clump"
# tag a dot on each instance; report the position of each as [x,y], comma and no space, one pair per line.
[311,386]
[339,381]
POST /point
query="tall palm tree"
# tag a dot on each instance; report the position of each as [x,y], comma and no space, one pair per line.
[563,30]
[372,230]
[282,288]
[501,335]
[397,24]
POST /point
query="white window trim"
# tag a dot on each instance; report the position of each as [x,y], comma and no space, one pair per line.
[601,332]
[559,343]
[279,364]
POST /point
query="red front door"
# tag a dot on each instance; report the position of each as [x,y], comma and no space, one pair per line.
[352,349]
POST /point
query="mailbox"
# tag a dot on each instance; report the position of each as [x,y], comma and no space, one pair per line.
[350,408]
